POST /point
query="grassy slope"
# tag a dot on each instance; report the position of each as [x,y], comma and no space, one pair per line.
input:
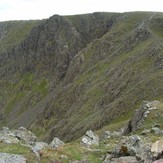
[14,32]
[119,71]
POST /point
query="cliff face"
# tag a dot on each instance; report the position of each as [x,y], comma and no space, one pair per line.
[68,74]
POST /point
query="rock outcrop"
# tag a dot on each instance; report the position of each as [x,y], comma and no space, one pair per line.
[139,116]
[56,142]
[12,158]
[90,139]
[15,136]
[157,149]
[54,70]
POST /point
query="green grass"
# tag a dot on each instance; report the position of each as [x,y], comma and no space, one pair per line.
[26,88]
[13,101]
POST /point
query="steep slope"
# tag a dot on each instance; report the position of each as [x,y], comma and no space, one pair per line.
[12,32]
[75,73]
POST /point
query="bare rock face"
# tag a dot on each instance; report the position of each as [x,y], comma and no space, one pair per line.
[11,158]
[139,116]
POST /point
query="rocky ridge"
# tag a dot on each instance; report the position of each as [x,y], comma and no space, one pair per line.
[70,74]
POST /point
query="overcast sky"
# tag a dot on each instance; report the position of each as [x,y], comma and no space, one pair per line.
[39,9]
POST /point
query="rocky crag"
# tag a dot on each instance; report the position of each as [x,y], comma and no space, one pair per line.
[65,75]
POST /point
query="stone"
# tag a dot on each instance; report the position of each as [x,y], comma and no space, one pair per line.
[8,139]
[24,135]
[145,132]
[107,158]
[156,130]
[12,158]
[38,147]
[133,146]
[5,130]
[126,159]
[157,148]
[144,154]
[90,139]
[158,161]
[107,135]
[83,161]
[116,134]
[64,158]
[127,147]
[139,116]
[156,125]
[56,143]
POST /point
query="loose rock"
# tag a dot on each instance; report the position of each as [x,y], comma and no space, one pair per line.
[56,143]
[11,158]
[90,139]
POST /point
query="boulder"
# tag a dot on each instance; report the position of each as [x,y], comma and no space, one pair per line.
[5,130]
[12,158]
[145,132]
[56,143]
[127,147]
[24,136]
[90,139]
[133,146]
[38,147]
[126,159]
[157,149]
[144,154]
[156,131]
[8,139]
[107,158]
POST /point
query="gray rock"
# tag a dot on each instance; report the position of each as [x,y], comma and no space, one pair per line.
[11,158]
[157,148]
[107,158]
[106,135]
[38,147]
[116,134]
[156,130]
[156,125]
[8,139]
[126,159]
[56,143]
[24,135]
[90,139]
[5,130]
[145,132]
[128,146]
[144,154]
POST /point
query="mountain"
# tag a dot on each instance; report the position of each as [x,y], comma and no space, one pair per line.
[67,74]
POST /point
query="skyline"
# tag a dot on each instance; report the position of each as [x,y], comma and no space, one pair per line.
[41,9]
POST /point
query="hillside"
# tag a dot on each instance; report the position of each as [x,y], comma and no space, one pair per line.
[68,74]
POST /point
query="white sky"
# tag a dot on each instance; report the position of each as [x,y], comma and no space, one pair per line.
[39,9]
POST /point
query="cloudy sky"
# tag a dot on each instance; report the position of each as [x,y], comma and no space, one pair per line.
[39,9]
